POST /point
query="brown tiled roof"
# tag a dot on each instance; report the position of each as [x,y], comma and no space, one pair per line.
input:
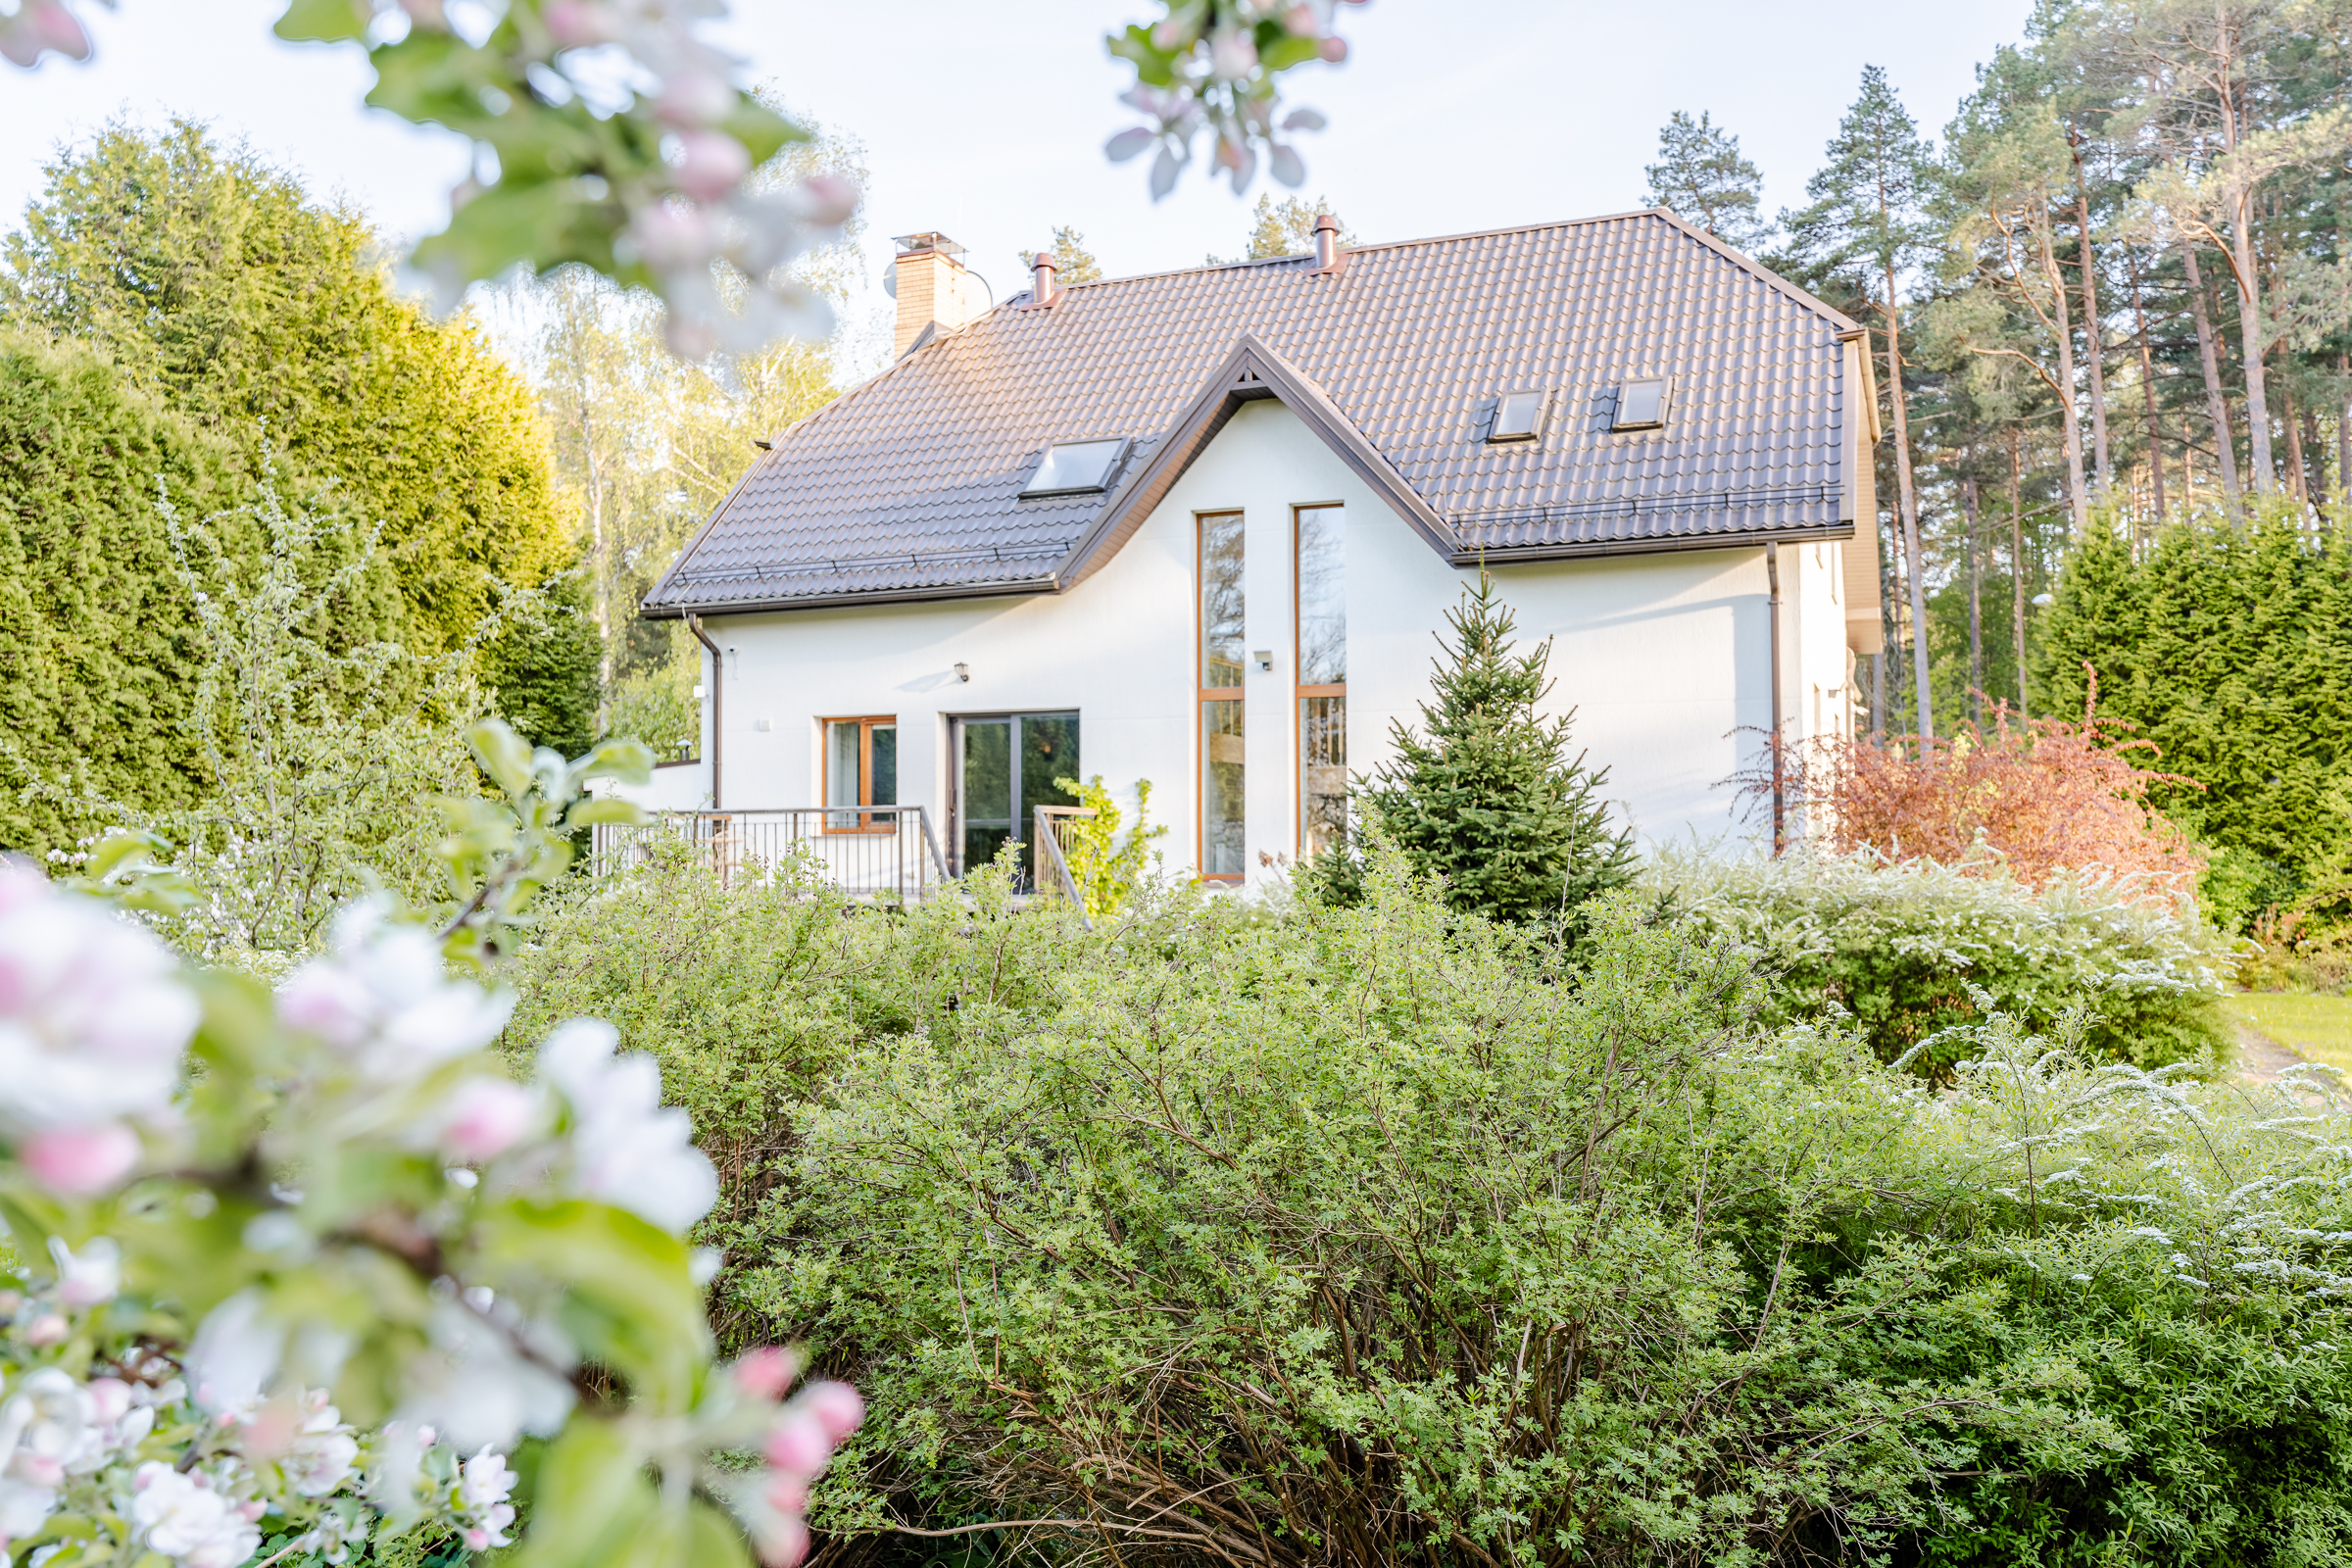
[907,486]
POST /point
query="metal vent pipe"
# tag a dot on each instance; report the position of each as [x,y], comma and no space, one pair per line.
[1041,289]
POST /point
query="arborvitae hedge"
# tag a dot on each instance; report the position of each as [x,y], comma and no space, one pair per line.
[172,310]
[2230,647]
[215,282]
[97,632]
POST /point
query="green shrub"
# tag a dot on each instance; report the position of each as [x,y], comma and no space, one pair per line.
[1375,1236]
[1902,948]
[1110,873]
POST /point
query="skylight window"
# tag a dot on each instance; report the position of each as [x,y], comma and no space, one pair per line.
[1641,406]
[1518,416]
[1075,468]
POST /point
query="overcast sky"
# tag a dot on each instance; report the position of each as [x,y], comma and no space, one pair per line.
[987,120]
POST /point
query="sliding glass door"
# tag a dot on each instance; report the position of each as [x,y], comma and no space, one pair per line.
[1006,766]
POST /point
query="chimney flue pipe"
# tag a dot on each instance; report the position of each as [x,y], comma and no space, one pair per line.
[1041,289]
[1326,242]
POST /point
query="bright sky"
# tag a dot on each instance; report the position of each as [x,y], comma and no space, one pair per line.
[987,120]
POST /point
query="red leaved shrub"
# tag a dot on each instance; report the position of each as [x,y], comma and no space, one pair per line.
[2044,794]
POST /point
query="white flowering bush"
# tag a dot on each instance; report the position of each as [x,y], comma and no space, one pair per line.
[1904,947]
[305,1273]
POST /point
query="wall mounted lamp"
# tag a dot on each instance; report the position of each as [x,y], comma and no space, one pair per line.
[1264,658]
[964,672]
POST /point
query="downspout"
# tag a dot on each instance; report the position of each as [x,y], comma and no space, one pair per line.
[1780,821]
[719,687]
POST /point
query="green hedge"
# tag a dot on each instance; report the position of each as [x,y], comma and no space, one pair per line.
[1903,949]
[1380,1236]
[99,631]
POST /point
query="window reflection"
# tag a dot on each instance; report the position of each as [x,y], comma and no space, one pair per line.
[1322,691]
[1223,827]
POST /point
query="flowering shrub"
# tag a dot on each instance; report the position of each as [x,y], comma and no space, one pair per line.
[1906,948]
[301,1269]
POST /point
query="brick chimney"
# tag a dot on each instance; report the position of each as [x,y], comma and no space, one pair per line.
[933,286]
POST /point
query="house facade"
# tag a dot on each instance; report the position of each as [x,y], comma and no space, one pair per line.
[1200,529]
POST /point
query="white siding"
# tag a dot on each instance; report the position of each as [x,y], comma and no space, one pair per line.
[1664,656]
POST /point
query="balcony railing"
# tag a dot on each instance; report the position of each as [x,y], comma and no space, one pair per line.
[865,851]
[1050,866]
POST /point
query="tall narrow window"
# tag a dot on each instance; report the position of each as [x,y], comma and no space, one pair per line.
[1322,678]
[862,768]
[1223,836]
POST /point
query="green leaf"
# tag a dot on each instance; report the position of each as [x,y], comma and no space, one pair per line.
[323,20]
[632,1302]
[593,1501]
[504,755]
[587,814]
[625,758]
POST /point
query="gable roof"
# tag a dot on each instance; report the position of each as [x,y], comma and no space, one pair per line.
[907,486]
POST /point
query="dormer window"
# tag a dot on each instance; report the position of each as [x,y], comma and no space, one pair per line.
[1641,405]
[1075,468]
[1518,416]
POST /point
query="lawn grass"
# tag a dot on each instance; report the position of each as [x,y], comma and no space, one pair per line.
[2319,1027]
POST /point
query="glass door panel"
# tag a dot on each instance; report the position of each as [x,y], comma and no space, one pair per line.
[1006,768]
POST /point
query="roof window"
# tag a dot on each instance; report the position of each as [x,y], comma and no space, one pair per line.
[1518,416]
[1641,405]
[1075,468]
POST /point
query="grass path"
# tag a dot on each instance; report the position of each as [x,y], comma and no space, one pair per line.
[2319,1028]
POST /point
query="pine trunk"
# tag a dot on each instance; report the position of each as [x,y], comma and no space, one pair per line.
[2070,418]
[2017,561]
[1976,608]
[2217,404]
[1910,508]
[2093,339]
[2147,387]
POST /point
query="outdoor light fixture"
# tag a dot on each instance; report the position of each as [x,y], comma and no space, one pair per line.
[964,672]
[1264,658]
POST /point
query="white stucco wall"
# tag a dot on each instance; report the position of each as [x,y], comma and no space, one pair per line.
[1663,656]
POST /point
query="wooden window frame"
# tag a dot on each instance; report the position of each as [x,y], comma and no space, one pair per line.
[1203,696]
[866,824]
[1300,693]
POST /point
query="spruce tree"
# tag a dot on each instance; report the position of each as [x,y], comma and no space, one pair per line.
[1487,794]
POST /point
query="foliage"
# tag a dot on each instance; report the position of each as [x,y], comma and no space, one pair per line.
[539,669]
[1286,228]
[94,691]
[1912,951]
[254,1204]
[2231,648]
[265,319]
[311,755]
[1109,874]
[1371,1236]
[1701,175]
[657,706]
[2042,795]
[1487,795]
[1215,66]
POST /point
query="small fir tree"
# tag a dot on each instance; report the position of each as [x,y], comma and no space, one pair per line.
[1489,795]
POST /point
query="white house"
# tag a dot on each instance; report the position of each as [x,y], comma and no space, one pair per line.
[1198,528]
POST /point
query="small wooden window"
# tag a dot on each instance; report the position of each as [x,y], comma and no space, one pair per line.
[862,768]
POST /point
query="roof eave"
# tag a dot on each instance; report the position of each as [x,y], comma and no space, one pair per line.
[1005,589]
[1661,544]
[1252,370]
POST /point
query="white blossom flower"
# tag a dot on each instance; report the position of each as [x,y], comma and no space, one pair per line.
[93,1018]
[185,1518]
[486,1117]
[47,1428]
[323,1451]
[93,1276]
[236,1352]
[484,1484]
[627,1150]
[476,1388]
[384,1001]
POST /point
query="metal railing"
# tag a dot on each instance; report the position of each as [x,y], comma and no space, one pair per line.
[864,850]
[1050,847]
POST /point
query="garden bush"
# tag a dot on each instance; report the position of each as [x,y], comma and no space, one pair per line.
[1904,947]
[1375,1236]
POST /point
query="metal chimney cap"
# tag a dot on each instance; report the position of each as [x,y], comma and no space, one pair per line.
[1324,221]
[929,239]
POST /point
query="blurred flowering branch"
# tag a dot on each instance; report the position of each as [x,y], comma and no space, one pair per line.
[1211,65]
[252,1204]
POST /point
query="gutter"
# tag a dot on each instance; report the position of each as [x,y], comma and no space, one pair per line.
[1655,544]
[1780,819]
[718,694]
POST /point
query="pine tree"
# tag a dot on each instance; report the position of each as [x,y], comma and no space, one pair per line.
[1286,228]
[1487,795]
[1073,263]
[1701,175]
